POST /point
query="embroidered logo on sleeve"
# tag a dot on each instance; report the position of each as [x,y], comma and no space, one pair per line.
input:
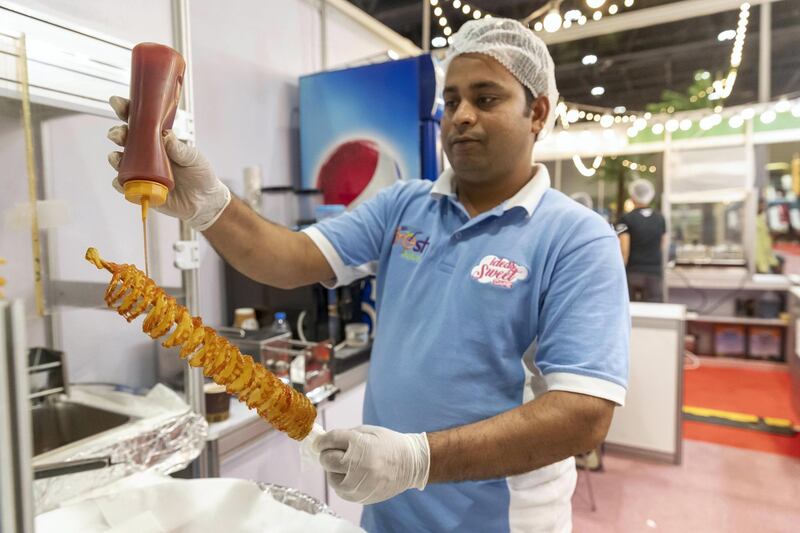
[413,243]
[498,271]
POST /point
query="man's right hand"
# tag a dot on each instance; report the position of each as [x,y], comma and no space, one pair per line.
[198,197]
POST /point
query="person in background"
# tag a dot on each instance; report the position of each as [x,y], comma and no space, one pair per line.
[643,236]
[502,344]
[767,262]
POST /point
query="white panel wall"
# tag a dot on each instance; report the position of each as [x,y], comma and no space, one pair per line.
[247,58]
[134,21]
[349,42]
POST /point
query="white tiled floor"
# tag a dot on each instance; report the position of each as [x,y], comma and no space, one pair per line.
[717,489]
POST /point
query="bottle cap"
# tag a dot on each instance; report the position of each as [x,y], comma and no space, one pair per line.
[135,190]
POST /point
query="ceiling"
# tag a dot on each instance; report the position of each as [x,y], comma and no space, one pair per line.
[635,66]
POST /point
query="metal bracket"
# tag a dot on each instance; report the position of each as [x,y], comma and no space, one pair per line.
[187,255]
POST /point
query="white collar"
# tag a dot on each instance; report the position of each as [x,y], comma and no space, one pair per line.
[527,197]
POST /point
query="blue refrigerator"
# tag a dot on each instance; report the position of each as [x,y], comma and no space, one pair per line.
[363,128]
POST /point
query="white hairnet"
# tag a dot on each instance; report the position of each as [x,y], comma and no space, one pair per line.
[517,48]
[641,191]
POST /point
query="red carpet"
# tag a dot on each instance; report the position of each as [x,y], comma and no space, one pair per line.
[758,392]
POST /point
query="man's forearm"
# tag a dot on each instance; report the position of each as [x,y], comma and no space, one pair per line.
[552,427]
[266,252]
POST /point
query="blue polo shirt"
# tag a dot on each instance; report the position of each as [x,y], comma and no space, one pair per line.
[476,316]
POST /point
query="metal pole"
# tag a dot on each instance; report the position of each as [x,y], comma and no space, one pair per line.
[765,54]
[426,26]
[323,33]
[192,377]
[17,453]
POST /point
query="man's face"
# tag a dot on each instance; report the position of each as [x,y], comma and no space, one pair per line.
[487,127]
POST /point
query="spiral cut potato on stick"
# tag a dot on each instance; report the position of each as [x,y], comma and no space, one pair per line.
[132,294]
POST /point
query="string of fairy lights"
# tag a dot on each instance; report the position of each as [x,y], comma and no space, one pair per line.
[440,41]
[550,19]
[547,18]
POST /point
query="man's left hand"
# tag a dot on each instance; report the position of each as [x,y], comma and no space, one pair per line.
[370,464]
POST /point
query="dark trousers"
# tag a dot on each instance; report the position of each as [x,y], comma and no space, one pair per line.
[644,287]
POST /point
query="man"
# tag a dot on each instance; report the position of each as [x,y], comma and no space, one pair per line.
[517,283]
[642,237]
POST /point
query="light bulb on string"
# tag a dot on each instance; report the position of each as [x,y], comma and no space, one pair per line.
[657,128]
[686,124]
[736,122]
[597,15]
[582,20]
[477,14]
[783,105]
[748,113]
[434,2]
[796,111]
[448,30]
[466,9]
[439,42]
[595,4]
[672,125]
[456,4]
[598,91]
[628,3]
[606,121]
[437,12]
[573,115]
[640,124]
[768,116]
[443,22]
[552,21]
[612,9]
[633,132]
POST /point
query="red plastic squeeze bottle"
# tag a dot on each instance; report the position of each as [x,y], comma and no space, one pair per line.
[144,173]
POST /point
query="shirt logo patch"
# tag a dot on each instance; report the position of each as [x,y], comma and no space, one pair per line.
[498,271]
[413,243]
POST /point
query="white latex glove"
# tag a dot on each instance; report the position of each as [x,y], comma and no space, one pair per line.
[198,197]
[370,464]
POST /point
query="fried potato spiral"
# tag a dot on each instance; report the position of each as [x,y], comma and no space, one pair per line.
[132,294]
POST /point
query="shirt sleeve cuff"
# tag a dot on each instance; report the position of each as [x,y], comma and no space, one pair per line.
[345,275]
[591,386]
